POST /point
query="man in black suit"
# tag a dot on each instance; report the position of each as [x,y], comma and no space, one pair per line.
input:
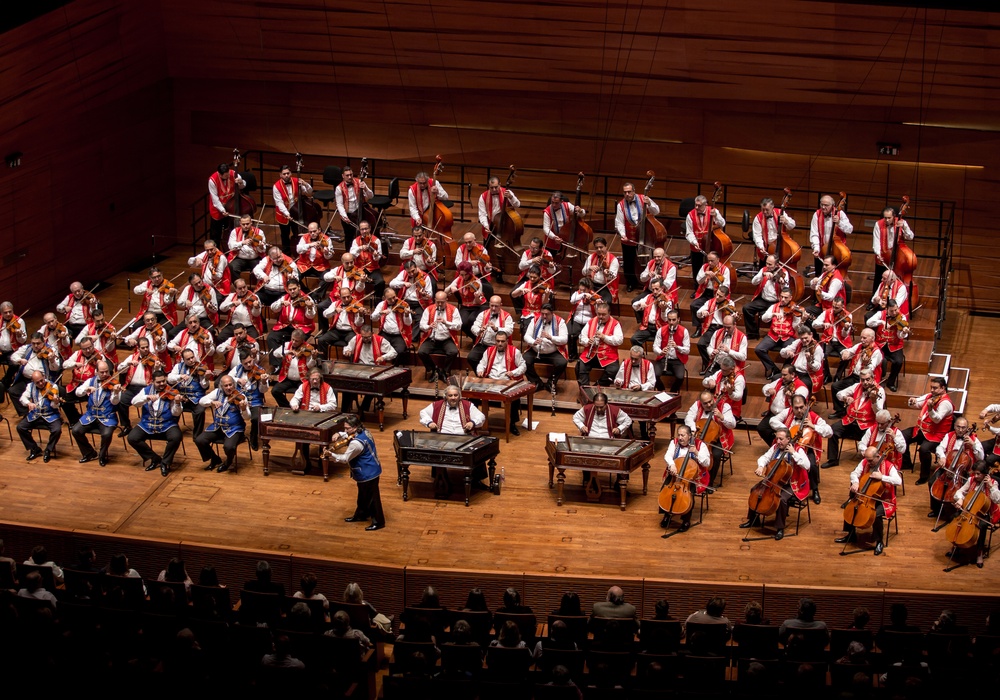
[614,606]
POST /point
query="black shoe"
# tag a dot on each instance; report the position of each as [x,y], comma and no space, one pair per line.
[124,431]
[779,535]
[835,414]
[223,468]
[894,388]
[254,445]
[921,481]
[747,524]
[352,519]
[932,514]
[373,527]
[88,458]
[480,486]
[665,522]
[850,537]
[152,466]
[829,463]
[46,456]
[212,465]
[34,454]
[514,430]
[684,527]
[816,498]
[164,470]
[103,460]
[878,548]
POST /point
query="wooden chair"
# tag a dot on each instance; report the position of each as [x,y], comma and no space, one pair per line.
[481,622]
[211,602]
[576,626]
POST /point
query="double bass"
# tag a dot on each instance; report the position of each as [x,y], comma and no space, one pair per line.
[784,248]
[304,209]
[240,203]
[715,238]
[903,260]
[838,247]
[365,212]
[506,227]
[581,235]
[438,216]
[650,232]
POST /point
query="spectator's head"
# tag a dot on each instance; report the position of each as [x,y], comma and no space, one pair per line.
[118,565]
[353,594]
[510,635]
[461,633]
[861,618]
[560,675]
[429,598]
[208,576]
[753,613]
[662,609]
[570,604]
[716,606]
[511,598]
[308,584]
[176,571]
[263,572]
[898,614]
[282,645]
[807,610]
[86,558]
[33,581]
[558,631]
[616,595]
[341,622]
[301,613]
[40,555]
[476,600]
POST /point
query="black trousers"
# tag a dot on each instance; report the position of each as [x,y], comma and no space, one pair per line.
[437,347]
[573,331]
[988,446]
[287,246]
[25,426]
[852,431]
[555,359]
[629,254]
[763,352]
[469,315]
[697,260]
[277,338]
[369,503]
[207,438]
[765,431]
[400,346]
[838,386]
[476,354]
[79,431]
[781,514]
[238,266]
[696,304]
[895,361]
[197,412]
[333,338]
[751,316]
[281,390]
[925,448]
[71,405]
[139,440]
[673,369]
[226,332]
[640,337]
[583,371]
[877,525]
[703,342]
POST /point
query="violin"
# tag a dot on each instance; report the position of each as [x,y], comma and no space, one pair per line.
[949,478]
[51,393]
[60,330]
[838,247]
[237,398]
[167,287]
[301,301]
[285,266]
[904,260]
[304,210]
[400,307]
[899,323]
[256,373]
[45,353]
[963,530]
[171,393]
[356,274]
[14,325]
[202,337]
[150,361]
[355,307]
[304,351]
[111,383]
[340,444]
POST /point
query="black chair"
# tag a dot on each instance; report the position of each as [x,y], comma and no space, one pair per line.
[806,644]
[758,642]
[317,612]
[461,660]
[842,675]
[48,578]
[481,622]
[381,202]
[123,592]
[405,659]
[660,636]
[358,612]
[176,600]
[81,585]
[435,618]
[527,625]
[257,608]
[840,639]
[332,177]
[796,676]
[713,637]
[669,669]
[947,653]
[7,576]
[705,673]
[899,646]
[576,626]
[510,664]
[572,659]
[211,603]
[608,668]
[555,692]
[625,633]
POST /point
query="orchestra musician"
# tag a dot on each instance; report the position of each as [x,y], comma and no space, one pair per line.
[440,325]
[366,469]
[83,364]
[39,408]
[230,412]
[297,358]
[158,422]
[155,333]
[705,406]
[779,394]
[295,311]
[889,289]
[711,316]
[239,341]
[729,341]
[478,259]
[627,225]
[806,357]
[367,255]
[935,422]
[471,296]
[798,487]
[241,307]
[678,448]
[863,355]
[491,203]
[101,333]
[887,231]
[636,373]
[651,312]
[159,298]
[347,275]
[827,287]
[672,347]
[213,267]
[36,356]
[662,268]
[503,361]
[367,348]
[603,270]
[599,420]
[13,334]
[423,252]
[199,301]
[452,415]
[836,333]
[546,338]
[138,371]
[886,434]
[285,192]
[247,245]
[698,224]
[535,254]
[192,380]
[992,422]
[416,290]
[821,229]
[102,394]
[488,323]
[349,194]
[79,306]
[273,272]
[728,385]
[599,340]
[710,277]
[315,250]
[348,316]
[862,402]
[873,467]
[56,335]
[960,440]
[222,186]
[395,323]
[980,473]
[891,332]
[584,303]
[253,382]
[767,225]
[770,280]
[419,196]
[802,416]
[535,292]
[557,223]
[195,338]
[315,395]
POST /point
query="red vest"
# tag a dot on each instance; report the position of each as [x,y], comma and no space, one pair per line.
[295,317]
[449,314]
[736,342]
[825,284]
[888,337]
[268,266]
[726,437]
[405,329]
[860,409]
[889,492]
[345,193]
[376,348]
[631,226]
[701,226]
[439,407]
[934,432]
[324,392]
[645,369]
[722,394]
[365,259]
[83,372]
[610,417]
[192,294]
[286,361]
[662,274]
[782,324]
[209,269]
[567,221]
[491,356]
[605,353]
[843,333]
[484,317]
[418,198]
[169,310]
[248,300]
[491,210]
[678,336]
[225,192]
[817,438]
[765,231]
[319,263]
[286,199]
[69,309]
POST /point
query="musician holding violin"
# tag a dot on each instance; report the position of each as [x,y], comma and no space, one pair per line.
[230,413]
[36,356]
[699,224]
[395,323]
[558,221]
[347,275]
[13,334]
[712,275]
[159,297]
[651,311]
[827,222]
[768,225]
[241,307]
[423,252]
[246,245]
[56,335]
[38,406]
[630,220]
[83,364]
[719,436]
[873,498]
[991,421]
[807,430]
[862,402]
[213,267]
[662,268]
[295,311]
[672,347]
[687,470]
[860,356]
[471,295]
[888,231]
[366,469]
[367,252]
[222,189]
[79,307]
[779,394]
[346,318]
[195,338]
[488,323]
[535,293]
[315,250]
[535,254]
[273,273]
[728,385]
[827,287]
[102,393]
[192,379]
[478,258]
[891,332]
[200,301]
[806,357]
[937,414]
[286,191]
[889,289]
[978,503]
[161,407]
[784,469]
[239,341]
[602,268]
[253,382]
[297,358]
[584,304]
[836,333]
[138,371]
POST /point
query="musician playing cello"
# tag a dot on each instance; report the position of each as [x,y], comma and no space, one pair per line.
[980,473]
[871,467]
[802,416]
[678,448]
[628,225]
[959,440]
[707,407]
[798,485]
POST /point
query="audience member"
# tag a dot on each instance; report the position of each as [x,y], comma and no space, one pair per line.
[307,585]
[33,588]
[614,606]
[263,583]
[40,557]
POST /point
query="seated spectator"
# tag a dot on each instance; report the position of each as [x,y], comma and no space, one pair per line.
[856,655]
[614,635]
[562,679]
[711,614]
[340,628]
[176,573]
[299,618]
[509,637]
[209,577]
[661,611]
[263,583]
[947,623]
[569,605]
[898,615]
[86,560]
[805,619]
[429,599]
[33,588]
[701,644]
[307,585]
[40,557]
[118,566]
[614,606]
[476,601]
[861,619]
[281,655]
[753,614]
[354,595]
[461,634]
[559,639]
[512,603]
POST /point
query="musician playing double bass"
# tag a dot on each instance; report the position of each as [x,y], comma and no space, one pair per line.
[802,416]
[821,229]
[557,223]
[960,440]
[981,473]
[349,194]
[873,468]
[698,224]
[767,226]
[222,186]
[887,232]
[419,197]
[798,486]
[678,448]
[630,210]
[863,401]
[937,414]
[286,191]
[705,406]
[491,203]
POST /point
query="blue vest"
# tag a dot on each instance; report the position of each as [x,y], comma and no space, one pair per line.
[156,421]
[252,391]
[99,406]
[365,466]
[192,389]
[44,409]
[45,365]
[227,417]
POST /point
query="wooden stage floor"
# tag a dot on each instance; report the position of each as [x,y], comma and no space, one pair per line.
[521,530]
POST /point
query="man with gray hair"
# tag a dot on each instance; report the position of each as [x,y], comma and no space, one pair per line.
[614,606]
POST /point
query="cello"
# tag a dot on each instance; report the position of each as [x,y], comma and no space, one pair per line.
[438,217]
[838,247]
[949,478]
[765,496]
[507,227]
[963,530]
[860,509]
[675,497]
[715,238]
[904,260]
[304,210]
[240,203]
